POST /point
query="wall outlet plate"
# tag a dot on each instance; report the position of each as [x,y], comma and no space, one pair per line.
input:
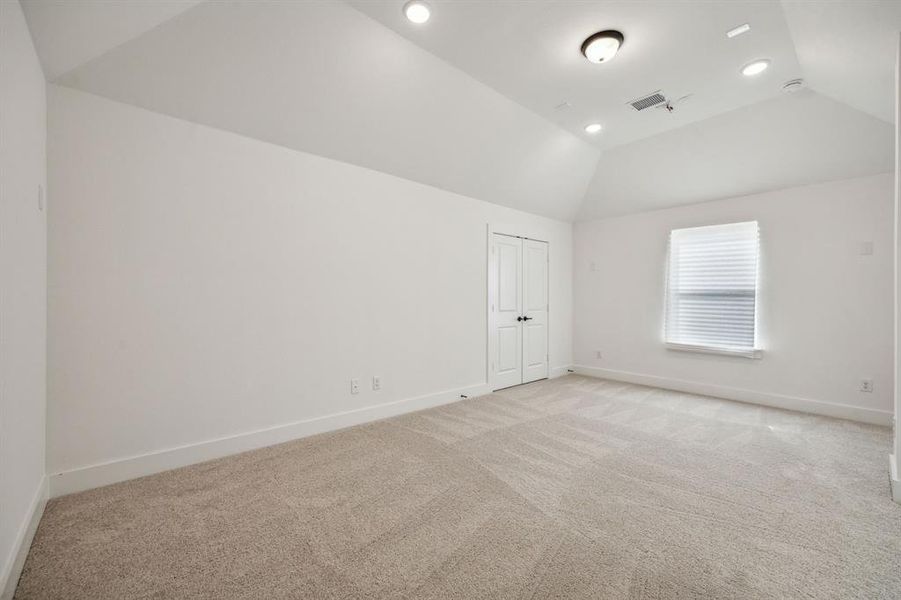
[354,386]
[376,382]
[866,385]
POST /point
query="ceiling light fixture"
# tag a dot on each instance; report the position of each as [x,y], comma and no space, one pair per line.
[593,128]
[738,30]
[416,11]
[602,46]
[755,68]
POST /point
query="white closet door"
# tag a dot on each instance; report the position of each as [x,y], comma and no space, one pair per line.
[507,311]
[535,321]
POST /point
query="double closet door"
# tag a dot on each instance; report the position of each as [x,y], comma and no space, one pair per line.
[518,311]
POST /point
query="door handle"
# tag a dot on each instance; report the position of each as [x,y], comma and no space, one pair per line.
[519,318]
[527,318]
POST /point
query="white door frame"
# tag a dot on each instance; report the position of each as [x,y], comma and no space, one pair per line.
[518,232]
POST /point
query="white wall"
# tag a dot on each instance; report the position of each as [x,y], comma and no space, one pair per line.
[203,284]
[23,277]
[895,468]
[825,309]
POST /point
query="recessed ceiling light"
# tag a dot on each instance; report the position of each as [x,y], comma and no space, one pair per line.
[755,68]
[738,30]
[602,46]
[417,11]
[593,128]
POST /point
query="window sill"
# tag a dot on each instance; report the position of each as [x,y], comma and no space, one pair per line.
[740,352]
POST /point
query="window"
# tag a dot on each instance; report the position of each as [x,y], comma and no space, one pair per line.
[711,299]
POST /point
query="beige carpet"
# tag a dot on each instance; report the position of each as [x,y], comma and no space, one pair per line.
[572,488]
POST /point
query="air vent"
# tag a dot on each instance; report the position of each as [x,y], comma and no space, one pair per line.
[648,101]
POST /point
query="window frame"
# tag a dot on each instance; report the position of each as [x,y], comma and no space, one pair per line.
[754,352]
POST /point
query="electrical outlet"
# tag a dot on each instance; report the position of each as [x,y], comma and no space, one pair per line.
[866,385]
[354,386]
[598,354]
[376,382]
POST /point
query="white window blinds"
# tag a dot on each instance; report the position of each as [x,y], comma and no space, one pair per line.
[711,301]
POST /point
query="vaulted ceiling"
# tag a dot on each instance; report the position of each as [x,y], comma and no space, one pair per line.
[69,33]
[529,51]
[789,140]
[489,99]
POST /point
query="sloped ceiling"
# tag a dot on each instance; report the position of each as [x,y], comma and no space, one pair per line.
[68,33]
[469,102]
[530,52]
[847,50]
[323,78]
[795,139]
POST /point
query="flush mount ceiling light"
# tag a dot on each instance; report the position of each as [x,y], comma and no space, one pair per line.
[593,128]
[602,46]
[416,11]
[755,68]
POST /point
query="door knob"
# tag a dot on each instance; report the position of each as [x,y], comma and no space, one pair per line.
[527,318]
[519,318]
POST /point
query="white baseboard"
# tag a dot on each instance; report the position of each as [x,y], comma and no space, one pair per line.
[894,478]
[558,371]
[817,407]
[9,577]
[94,476]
